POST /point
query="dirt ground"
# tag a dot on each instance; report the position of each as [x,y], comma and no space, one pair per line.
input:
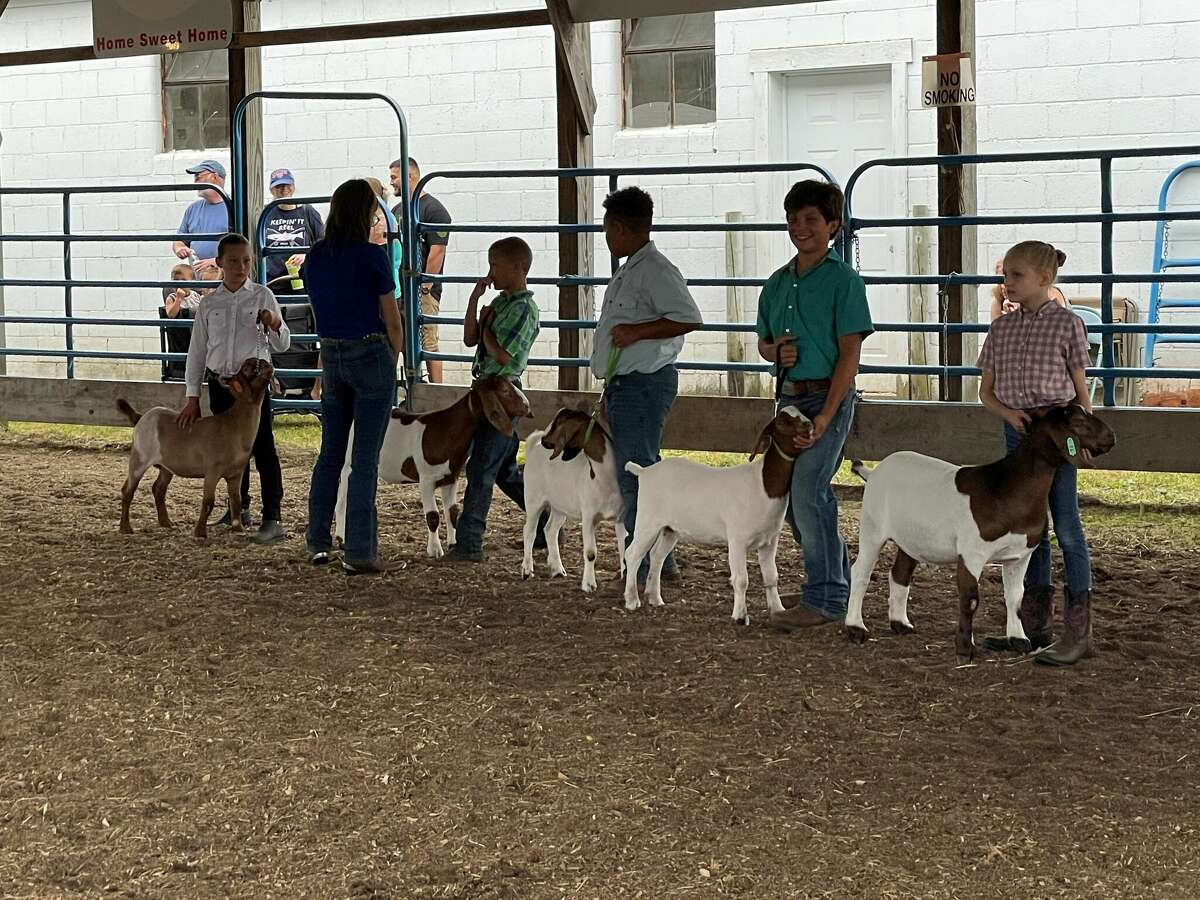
[199,721]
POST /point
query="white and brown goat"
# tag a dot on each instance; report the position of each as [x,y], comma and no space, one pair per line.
[741,507]
[969,516]
[431,450]
[571,479]
[213,448]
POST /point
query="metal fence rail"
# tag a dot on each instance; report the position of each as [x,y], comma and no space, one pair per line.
[411,228]
[67,238]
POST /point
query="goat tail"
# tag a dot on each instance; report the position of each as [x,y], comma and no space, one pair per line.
[859,468]
[133,415]
[634,469]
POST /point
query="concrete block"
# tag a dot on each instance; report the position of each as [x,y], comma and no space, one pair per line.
[1149,42]
[1167,11]
[350,66]
[475,56]
[1078,47]
[995,17]
[501,87]
[458,88]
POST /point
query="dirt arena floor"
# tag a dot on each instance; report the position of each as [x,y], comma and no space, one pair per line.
[225,721]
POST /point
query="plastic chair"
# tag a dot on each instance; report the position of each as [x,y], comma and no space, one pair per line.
[1091,317]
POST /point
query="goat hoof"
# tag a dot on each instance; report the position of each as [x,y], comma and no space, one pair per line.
[587,588]
[964,645]
[126,529]
[742,620]
[633,605]
[1020,645]
[559,573]
[899,627]
[856,634]
[525,576]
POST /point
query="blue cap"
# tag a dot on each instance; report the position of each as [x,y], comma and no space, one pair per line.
[282,176]
[209,165]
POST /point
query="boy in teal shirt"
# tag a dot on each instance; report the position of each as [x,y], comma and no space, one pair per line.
[812,320]
[504,332]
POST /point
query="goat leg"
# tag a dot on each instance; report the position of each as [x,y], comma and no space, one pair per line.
[968,602]
[160,496]
[207,504]
[233,486]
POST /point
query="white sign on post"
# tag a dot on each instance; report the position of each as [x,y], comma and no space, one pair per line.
[947,80]
[142,27]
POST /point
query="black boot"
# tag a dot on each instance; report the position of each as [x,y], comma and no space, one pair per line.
[1037,618]
[1076,641]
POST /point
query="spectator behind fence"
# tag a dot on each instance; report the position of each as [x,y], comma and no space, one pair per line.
[208,214]
[351,288]
[432,245]
[177,299]
[290,226]
[647,310]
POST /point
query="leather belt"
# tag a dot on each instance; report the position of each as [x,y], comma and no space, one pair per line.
[806,387]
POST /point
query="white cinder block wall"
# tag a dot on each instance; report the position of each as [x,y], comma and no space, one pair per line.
[1052,75]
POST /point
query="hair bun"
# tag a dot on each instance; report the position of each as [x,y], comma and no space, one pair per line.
[1060,256]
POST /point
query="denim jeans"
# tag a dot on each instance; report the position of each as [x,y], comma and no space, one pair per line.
[1068,528]
[358,388]
[813,509]
[493,462]
[266,459]
[637,405]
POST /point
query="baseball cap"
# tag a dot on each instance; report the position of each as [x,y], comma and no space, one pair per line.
[282,176]
[209,165]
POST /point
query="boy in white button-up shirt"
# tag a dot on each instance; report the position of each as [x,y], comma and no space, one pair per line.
[227,333]
[647,310]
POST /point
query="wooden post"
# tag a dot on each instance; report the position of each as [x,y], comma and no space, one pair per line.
[952,192]
[576,110]
[735,341]
[919,386]
[245,77]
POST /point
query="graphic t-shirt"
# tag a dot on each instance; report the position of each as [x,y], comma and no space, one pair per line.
[291,229]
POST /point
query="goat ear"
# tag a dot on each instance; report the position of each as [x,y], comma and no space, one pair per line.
[569,454]
[763,442]
[494,412]
[235,385]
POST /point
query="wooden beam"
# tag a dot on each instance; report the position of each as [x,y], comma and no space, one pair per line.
[3,6]
[245,77]
[1148,440]
[572,47]
[319,34]
[950,203]
[575,203]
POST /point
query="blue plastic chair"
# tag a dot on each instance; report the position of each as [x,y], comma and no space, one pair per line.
[1091,317]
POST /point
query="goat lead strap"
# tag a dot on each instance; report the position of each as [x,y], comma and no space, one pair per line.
[614,357]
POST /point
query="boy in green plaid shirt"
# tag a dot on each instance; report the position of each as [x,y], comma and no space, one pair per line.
[504,332]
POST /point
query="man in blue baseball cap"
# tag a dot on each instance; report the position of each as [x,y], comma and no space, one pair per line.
[206,215]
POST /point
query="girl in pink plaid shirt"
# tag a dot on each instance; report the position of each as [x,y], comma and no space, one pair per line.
[1035,357]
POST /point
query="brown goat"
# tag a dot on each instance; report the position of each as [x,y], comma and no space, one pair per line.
[213,448]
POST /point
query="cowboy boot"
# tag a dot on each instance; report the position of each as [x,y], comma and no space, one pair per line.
[1037,618]
[1076,640]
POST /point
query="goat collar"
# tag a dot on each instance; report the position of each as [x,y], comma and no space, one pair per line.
[775,446]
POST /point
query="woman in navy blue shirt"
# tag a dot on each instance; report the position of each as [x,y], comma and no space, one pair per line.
[350,286]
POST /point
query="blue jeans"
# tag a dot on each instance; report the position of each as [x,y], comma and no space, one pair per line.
[358,388]
[493,462]
[813,509]
[637,405]
[1068,528]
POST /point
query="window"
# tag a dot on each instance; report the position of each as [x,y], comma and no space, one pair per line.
[670,71]
[195,100]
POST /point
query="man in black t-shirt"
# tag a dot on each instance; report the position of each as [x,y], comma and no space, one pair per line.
[433,253]
[289,226]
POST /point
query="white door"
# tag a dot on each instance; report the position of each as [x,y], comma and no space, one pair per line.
[840,120]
